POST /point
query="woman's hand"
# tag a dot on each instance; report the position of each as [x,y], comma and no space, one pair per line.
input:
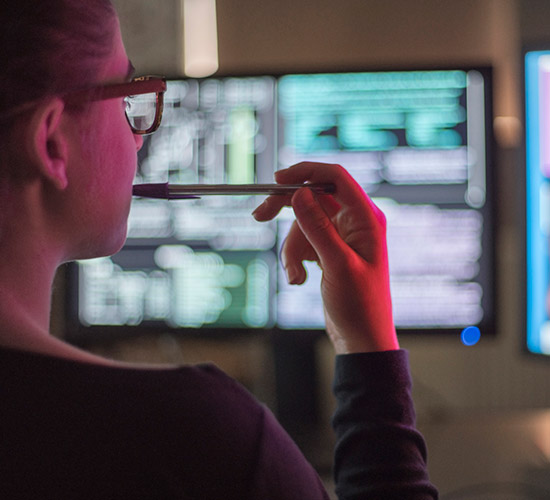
[345,233]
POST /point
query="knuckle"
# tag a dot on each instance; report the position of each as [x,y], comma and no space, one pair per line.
[322,224]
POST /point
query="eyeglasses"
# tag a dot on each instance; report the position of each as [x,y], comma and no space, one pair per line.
[144,98]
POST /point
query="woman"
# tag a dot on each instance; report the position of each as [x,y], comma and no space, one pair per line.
[75,425]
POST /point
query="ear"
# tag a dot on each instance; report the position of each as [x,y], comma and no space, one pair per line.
[48,143]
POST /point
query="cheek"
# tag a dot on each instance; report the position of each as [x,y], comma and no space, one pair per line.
[100,184]
[111,168]
[118,149]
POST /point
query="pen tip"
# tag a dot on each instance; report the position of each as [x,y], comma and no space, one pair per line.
[161,191]
[150,190]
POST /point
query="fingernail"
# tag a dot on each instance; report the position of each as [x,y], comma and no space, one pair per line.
[292,275]
[282,257]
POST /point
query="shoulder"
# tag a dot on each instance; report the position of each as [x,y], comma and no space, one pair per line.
[205,387]
[193,424]
[171,395]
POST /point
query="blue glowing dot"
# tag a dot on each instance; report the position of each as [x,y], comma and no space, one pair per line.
[470,335]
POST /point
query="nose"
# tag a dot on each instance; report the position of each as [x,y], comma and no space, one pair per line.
[139,141]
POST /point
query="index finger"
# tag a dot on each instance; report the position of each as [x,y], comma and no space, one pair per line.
[348,192]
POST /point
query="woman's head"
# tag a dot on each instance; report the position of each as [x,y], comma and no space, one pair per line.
[51,46]
[75,163]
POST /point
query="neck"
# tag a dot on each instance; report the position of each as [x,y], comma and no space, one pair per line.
[29,258]
[25,316]
[25,292]
[31,249]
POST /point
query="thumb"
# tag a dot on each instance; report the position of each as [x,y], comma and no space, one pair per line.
[316,225]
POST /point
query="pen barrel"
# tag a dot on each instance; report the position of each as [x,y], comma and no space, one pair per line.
[188,191]
[245,189]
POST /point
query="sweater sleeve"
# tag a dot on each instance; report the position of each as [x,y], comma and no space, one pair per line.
[379,452]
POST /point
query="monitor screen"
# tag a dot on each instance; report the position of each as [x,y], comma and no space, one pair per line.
[537,200]
[418,142]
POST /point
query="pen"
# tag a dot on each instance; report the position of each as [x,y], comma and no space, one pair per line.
[190,191]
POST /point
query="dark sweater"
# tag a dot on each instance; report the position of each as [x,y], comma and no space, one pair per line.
[73,430]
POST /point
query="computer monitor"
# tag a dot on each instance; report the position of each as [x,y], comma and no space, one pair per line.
[536,221]
[418,141]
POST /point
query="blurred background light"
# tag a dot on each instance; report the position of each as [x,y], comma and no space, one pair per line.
[200,38]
